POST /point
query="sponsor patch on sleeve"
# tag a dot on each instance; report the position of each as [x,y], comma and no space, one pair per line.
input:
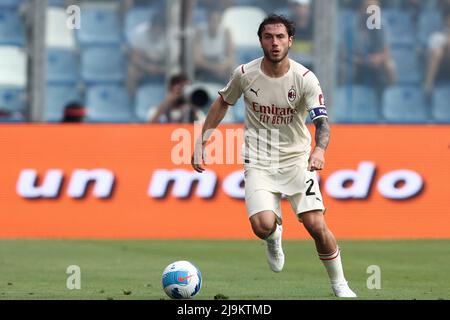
[319,112]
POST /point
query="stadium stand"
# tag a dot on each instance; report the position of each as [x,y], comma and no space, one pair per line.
[103,64]
[13,62]
[243,23]
[148,96]
[247,54]
[404,104]
[11,4]
[356,104]
[400,26]
[109,103]
[409,71]
[430,21]
[441,106]
[101,26]
[135,16]
[56,36]
[95,56]
[239,110]
[62,66]
[12,31]
[57,97]
[12,98]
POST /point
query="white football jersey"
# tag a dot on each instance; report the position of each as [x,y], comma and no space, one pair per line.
[275,113]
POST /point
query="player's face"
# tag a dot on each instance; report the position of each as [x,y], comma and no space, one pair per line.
[275,42]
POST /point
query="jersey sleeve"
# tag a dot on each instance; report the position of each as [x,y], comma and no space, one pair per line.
[233,90]
[314,98]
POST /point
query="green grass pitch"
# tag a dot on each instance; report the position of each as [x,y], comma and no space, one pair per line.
[36,269]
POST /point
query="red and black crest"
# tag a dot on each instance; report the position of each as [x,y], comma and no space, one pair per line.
[292,94]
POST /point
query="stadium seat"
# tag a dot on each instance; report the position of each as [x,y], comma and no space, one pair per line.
[135,16]
[243,23]
[355,104]
[103,65]
[429,21]
[109,103]
[148,96]
[404,104]
[57,97]
[399,25]
[11,4]
[441,104]
[12,30]
[100,26]
[13,62]
[12,98]
[62,66]
[408,69]
[57,34]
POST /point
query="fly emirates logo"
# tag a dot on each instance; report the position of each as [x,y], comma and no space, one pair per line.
[273,114]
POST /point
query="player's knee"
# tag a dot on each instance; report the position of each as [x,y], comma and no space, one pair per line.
[262,229]
[317,230]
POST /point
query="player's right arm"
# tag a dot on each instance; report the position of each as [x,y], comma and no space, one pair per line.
[215,115]
[228,96]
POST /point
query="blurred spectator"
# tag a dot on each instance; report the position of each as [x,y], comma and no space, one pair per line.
[149,47]
[369,56]
[444,5]
[302,49]
[10,116]
[214,50]
[74,112]
[414,8]
[174,108]
[438,71]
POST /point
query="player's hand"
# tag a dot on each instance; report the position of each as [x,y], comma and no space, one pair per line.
[316,159]
[198,159]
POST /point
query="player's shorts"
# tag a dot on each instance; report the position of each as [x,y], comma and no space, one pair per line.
[264,189]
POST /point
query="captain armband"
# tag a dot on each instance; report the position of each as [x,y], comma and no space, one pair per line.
[318,112]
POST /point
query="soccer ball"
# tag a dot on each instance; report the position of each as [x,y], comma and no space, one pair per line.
[181,280]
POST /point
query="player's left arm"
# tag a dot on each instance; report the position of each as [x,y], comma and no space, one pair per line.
[317,109]
[322,138]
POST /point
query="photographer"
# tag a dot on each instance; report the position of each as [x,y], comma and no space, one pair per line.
[174,108]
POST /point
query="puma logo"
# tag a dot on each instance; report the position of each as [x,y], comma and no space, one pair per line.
[255,92]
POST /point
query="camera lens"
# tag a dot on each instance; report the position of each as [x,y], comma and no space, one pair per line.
[199,98]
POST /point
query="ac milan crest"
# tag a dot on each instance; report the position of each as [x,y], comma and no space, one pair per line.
[292,94]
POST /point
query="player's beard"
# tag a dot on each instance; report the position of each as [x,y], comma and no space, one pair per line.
[278,59]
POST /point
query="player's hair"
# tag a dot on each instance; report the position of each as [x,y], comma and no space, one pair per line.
[275,19]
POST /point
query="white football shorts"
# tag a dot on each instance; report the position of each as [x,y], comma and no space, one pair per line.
[264,189]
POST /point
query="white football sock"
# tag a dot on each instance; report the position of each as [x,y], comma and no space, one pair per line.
[275,234]
[333,264]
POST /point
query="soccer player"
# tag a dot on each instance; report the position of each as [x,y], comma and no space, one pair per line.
[279,93]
